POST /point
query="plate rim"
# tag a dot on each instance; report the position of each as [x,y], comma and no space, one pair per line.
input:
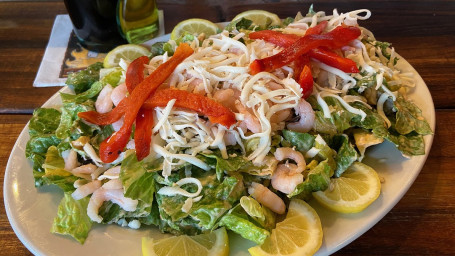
[28,243]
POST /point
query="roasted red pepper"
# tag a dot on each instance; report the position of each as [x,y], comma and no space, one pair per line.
[143,133]
[316,30]
[135,73]
[111,147]
[306,82]
[334,60]
[275,37]
[107,118]
[144,118]
[334,39]
[216,112]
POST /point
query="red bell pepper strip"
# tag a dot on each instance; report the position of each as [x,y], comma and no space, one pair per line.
[317,30]
[135,72]
[143,133]
[216,112]
[107,118]
[299,64]
[334,60]
[275,37]
[111,147]
[306,82]
[144,118]
[334,39]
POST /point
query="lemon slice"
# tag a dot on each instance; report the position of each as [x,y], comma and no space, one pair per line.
[355,190]
[260,18]
[300,233]
[194,27]
[214,243]
[127,52]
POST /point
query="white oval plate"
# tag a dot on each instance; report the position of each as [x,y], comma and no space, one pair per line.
[31,211]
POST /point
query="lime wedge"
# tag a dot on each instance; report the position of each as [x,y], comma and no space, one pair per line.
[194,27]
[127,52]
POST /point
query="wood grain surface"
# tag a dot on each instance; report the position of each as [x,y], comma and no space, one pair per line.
[423,32]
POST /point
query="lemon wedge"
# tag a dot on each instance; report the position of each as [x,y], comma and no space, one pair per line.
[300,233]
[214,243]
[127,52]
[355,190]
[194,27]
[260,18]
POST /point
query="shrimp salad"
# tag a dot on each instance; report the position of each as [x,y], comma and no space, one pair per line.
[260,113]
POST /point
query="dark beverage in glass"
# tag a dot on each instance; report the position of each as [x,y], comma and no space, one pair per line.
[95,23]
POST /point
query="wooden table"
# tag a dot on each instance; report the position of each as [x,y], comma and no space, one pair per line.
[423,32]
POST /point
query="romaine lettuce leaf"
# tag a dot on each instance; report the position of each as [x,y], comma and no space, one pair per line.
[261,214]
[70,124]
[72,218]
[239,24]
[346,155]
[114,77]
[91,93]
[302,141]
[44,121]
[318,179]
[231,164]
[82,80]
[409,118]
[55,173]
[237,220]
[137,182]
[411,144]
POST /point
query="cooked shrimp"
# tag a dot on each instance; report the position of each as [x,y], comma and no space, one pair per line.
[119,93]
[113,184]
[85,169]
[227,97]
[289,153]
[251,121]
[229,139]
[70,158]
[112,173]
[115,195]
[280,116]
[285,178]
[266,197]
[104,103]
[117,124]
[306,114]
[86,189]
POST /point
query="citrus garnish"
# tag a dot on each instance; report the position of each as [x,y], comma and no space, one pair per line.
[300,233]
[260,18]
[128,52]
[214,243]
[355,190]
[194,27]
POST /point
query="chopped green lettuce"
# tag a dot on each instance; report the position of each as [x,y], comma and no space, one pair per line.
[72,218]
[91,93]
[409,118]
[261,214]
[114,77]
[231,164]
[318,179]
[137,182]
[302,141]
[82,80]
[70,123]
[44,121]
[346,155]
[239,24]
[237,221]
